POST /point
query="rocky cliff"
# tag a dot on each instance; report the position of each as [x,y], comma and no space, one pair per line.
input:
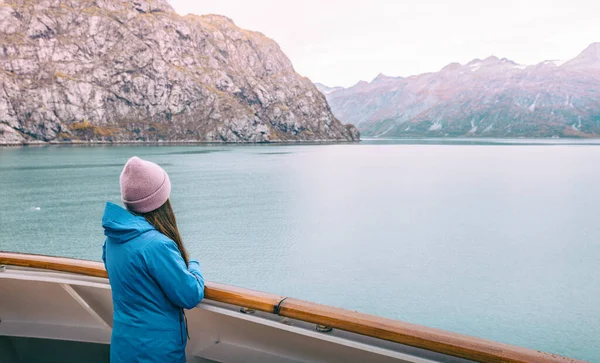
[134,70]
[489,98]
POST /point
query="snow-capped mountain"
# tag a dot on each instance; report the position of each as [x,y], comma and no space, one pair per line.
[326,90]
[491,98]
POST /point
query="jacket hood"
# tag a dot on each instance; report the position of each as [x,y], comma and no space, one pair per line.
[121,225]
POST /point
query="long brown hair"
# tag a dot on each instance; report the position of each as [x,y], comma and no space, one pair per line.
[163,219]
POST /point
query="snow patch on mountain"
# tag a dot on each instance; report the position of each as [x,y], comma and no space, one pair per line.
[437,126]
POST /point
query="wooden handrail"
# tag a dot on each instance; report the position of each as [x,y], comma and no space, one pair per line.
[435,340]
[214,291]
[430,339]
[62,264]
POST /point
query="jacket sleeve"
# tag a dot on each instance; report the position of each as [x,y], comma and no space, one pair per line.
[164,262]
[194,268]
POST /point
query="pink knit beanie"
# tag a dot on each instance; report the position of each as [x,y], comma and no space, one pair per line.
[145,186]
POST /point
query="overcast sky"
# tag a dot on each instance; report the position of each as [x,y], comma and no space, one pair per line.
[339,42]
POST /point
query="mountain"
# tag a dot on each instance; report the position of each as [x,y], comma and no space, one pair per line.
[326,90]
[488,98]
[588,60]
[114,70]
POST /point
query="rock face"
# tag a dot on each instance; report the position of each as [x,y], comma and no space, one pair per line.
[115,70]
[486,98]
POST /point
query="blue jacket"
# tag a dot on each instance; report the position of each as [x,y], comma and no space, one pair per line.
[150,287]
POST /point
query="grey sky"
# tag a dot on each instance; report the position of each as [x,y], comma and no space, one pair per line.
[340,42]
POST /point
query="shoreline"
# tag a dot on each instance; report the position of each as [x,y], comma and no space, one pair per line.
[500,140]
[174,143]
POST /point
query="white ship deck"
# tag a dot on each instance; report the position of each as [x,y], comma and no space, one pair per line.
[57,309]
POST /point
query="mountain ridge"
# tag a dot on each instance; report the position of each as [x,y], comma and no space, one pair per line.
[325,89]
[123,71]
[493,97]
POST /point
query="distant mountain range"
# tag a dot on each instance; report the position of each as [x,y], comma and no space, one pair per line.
[326,90]
[486,98]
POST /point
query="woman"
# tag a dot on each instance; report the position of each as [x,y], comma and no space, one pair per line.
[151,276]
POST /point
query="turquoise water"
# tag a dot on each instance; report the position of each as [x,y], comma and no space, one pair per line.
[500,241]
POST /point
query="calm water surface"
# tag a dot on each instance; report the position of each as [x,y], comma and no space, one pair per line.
[498,241]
